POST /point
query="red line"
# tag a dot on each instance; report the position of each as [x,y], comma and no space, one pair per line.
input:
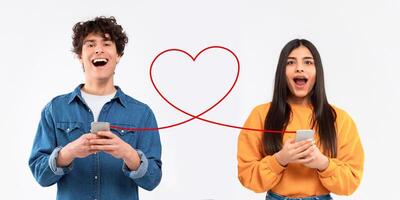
[204,112]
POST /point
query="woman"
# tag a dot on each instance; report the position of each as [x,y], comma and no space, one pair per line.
[332,162]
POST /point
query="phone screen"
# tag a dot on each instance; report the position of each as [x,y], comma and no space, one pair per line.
[304,135]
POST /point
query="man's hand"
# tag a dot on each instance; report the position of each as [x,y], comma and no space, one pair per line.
[115,146]
[79,148]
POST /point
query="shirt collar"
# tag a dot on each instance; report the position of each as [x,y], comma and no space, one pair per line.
[119,96]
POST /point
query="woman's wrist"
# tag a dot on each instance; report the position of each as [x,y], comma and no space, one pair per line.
[324,164]
[280,160]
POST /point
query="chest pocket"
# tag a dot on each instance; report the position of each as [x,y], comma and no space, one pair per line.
[69,130]
[128,136]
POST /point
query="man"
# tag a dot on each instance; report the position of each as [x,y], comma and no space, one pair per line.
[106,164]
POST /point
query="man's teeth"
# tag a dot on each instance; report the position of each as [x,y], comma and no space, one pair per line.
[100,60]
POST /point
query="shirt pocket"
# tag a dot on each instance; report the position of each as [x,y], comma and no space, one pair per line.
[69,130]
[128,136]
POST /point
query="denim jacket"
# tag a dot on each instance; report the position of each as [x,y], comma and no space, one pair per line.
[100,175]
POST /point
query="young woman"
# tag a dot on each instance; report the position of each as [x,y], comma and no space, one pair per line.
[274,162]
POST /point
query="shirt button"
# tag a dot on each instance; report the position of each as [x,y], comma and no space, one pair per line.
[122,131]
[68,129]
[95,177]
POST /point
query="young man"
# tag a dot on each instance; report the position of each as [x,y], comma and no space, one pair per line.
[106,164]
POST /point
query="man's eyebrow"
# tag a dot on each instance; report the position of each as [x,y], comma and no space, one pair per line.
[86,41]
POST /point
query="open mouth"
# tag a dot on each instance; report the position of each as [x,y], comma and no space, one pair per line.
[99,62]
[300,80]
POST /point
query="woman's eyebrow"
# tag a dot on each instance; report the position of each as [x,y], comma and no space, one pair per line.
[304,58]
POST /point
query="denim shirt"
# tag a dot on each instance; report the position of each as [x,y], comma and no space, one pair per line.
[100,175]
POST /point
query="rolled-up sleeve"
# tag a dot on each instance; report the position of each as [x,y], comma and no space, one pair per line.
[43,146]
[149,149]
[53,163]
[141,171]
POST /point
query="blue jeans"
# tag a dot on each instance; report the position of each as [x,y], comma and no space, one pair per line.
[274,196]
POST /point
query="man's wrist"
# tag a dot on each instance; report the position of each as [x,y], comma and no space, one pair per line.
[132,159]
[64,158]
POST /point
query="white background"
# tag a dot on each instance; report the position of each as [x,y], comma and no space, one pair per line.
[358,41]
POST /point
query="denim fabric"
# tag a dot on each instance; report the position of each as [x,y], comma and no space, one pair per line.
[274,196]
[100,175]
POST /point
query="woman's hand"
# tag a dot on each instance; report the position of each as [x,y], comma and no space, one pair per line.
[315,159]
[294,152]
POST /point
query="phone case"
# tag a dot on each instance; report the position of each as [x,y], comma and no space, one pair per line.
[99,126]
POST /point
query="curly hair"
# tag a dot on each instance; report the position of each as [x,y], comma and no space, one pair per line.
[99,25]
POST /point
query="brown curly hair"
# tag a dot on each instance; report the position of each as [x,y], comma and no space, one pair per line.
[99,25]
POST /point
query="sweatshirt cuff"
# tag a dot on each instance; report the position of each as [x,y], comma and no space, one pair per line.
[53,163]
[141,171]
[329,171]
[274,164]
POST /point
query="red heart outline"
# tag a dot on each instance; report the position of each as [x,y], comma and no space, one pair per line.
[194,59]
[208,109]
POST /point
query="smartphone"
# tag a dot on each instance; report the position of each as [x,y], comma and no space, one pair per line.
[302,135]
[99,126]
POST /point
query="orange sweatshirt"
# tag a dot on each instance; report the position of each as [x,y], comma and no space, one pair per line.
[261,173]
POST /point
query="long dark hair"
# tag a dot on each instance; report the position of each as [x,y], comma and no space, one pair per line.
[324,116]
